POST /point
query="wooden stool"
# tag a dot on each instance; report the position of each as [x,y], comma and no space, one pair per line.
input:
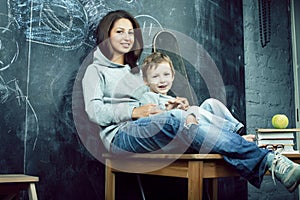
[194,167]
[12,184]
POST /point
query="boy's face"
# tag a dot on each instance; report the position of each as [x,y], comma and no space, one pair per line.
[160,79]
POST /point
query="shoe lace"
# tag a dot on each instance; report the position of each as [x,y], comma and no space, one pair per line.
[282,167]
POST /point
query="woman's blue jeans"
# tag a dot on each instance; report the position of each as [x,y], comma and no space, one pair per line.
[168,133]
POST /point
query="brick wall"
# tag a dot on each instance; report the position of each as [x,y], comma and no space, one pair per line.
[268,81]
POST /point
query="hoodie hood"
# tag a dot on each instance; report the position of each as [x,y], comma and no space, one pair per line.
[100,59]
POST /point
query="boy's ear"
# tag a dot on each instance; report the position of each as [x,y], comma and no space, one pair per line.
[173,77]
[146,82]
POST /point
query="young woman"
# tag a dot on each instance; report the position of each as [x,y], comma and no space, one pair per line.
[112,87]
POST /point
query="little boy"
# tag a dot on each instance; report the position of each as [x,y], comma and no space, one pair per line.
[158,75]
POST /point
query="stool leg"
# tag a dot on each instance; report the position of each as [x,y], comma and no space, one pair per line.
[141,186]
[32,192]
[109,182]
[195,180]
[213,188]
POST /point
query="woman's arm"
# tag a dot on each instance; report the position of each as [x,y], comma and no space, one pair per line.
[145,111]
[92,85]
[103,112]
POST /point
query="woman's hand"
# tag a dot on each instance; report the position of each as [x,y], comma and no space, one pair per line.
[145,111]
[179,102]
[249,138]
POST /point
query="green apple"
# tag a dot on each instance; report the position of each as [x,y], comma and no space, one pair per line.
[280,121]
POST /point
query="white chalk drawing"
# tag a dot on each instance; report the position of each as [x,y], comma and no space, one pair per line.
[130,5]
[9,48]
[97,9]
[66,24]
[58,23]
[4,91]
[150,26]
[11,88]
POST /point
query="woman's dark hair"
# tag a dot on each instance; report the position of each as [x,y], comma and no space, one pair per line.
[103,32]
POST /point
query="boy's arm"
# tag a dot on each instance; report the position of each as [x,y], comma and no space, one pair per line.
[149,97]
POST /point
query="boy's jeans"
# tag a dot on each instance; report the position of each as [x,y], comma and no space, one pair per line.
[168,133]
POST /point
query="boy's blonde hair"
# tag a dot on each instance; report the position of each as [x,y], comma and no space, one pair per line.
[152,61]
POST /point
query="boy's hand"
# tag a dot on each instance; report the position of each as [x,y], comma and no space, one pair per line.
[180,103]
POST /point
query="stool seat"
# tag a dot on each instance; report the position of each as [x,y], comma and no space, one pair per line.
[17,178]
[166,156]
[12,184]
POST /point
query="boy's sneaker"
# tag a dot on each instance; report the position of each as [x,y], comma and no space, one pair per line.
[285,170]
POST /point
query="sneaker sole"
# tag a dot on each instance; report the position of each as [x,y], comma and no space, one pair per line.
[294,186]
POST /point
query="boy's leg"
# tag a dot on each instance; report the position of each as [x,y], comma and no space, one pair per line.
[205,115]
[219,109]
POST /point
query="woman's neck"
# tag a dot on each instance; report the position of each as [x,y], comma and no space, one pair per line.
[118,59]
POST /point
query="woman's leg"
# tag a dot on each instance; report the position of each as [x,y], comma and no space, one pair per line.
[249,160]
[166,133]
[156,133]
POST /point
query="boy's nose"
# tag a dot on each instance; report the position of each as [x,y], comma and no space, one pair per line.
[162,80]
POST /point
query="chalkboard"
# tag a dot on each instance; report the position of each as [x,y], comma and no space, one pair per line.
[43,44]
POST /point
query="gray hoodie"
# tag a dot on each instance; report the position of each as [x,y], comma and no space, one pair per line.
[111,92]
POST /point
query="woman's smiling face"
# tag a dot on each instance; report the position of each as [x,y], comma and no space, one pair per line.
[121,37]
